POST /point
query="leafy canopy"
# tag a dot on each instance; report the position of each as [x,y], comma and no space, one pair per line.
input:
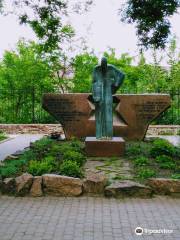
[151,19]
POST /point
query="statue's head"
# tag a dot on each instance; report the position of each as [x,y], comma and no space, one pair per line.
[104,65]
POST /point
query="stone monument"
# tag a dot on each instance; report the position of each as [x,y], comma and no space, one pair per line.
[132,113]
[106,81]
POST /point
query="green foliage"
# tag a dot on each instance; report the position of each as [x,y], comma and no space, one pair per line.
[71,168]
[165,162]
[47,156]
[144,173]
[42,144]
[164,159]
[83,67]
[136,149]
[162,147]
[72,145]
[141,161]
[152,20]
[46,22]
[24,75]
[37,168]
[176,176]
[2,136]
[74,156]
[133,149]
[12,167]
[8,171]
[167,165]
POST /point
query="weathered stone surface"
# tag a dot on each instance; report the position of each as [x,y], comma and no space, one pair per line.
[58,185]
[94,183]
[23,184]
[104,148]
[127,188]
[8,186]
[133,113]
[165,186]
[30,128]
[36,188]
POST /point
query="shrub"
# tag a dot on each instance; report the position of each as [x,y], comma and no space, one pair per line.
[133,149]
[42,144]
[11,167]
[144,173]
[167,165]
[164,159]
[162,147]
[76,145]
[8,171]
[74,156]
[56,152]
[141,161]
[175,176]
[41,167]
[70,168]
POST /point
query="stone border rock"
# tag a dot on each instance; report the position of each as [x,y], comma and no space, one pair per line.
[165,186]
[31,128]
[93,184]
[49,128]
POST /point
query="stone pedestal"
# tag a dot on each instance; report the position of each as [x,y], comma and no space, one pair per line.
[104,148]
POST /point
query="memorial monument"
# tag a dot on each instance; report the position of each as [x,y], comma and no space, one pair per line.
[132,113]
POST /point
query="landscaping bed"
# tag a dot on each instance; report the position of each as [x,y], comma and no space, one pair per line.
[61,168]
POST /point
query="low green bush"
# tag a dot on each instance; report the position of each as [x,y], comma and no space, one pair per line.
[144,173]
[141,161]
[163,159]
[11,167]
[74,156]
[165,162]
[76,145]
[175,176]
[70,168]
[8,171]
[162,147]
[41,167]
[133,149]
[167,165]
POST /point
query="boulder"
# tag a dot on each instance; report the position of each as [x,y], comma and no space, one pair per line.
[127,188]
[36,188]
[58,185]
[8,186]
[23,184]
[165,186]
[94,183]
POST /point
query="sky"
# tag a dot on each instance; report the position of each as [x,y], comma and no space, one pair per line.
[101,28]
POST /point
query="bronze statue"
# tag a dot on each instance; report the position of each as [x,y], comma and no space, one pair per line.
[106,81]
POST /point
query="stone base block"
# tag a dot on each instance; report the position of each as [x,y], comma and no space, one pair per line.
[104,148]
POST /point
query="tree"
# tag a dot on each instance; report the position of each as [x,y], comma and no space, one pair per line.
[83,65]
[24,76]
[45,18]
[151,19]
